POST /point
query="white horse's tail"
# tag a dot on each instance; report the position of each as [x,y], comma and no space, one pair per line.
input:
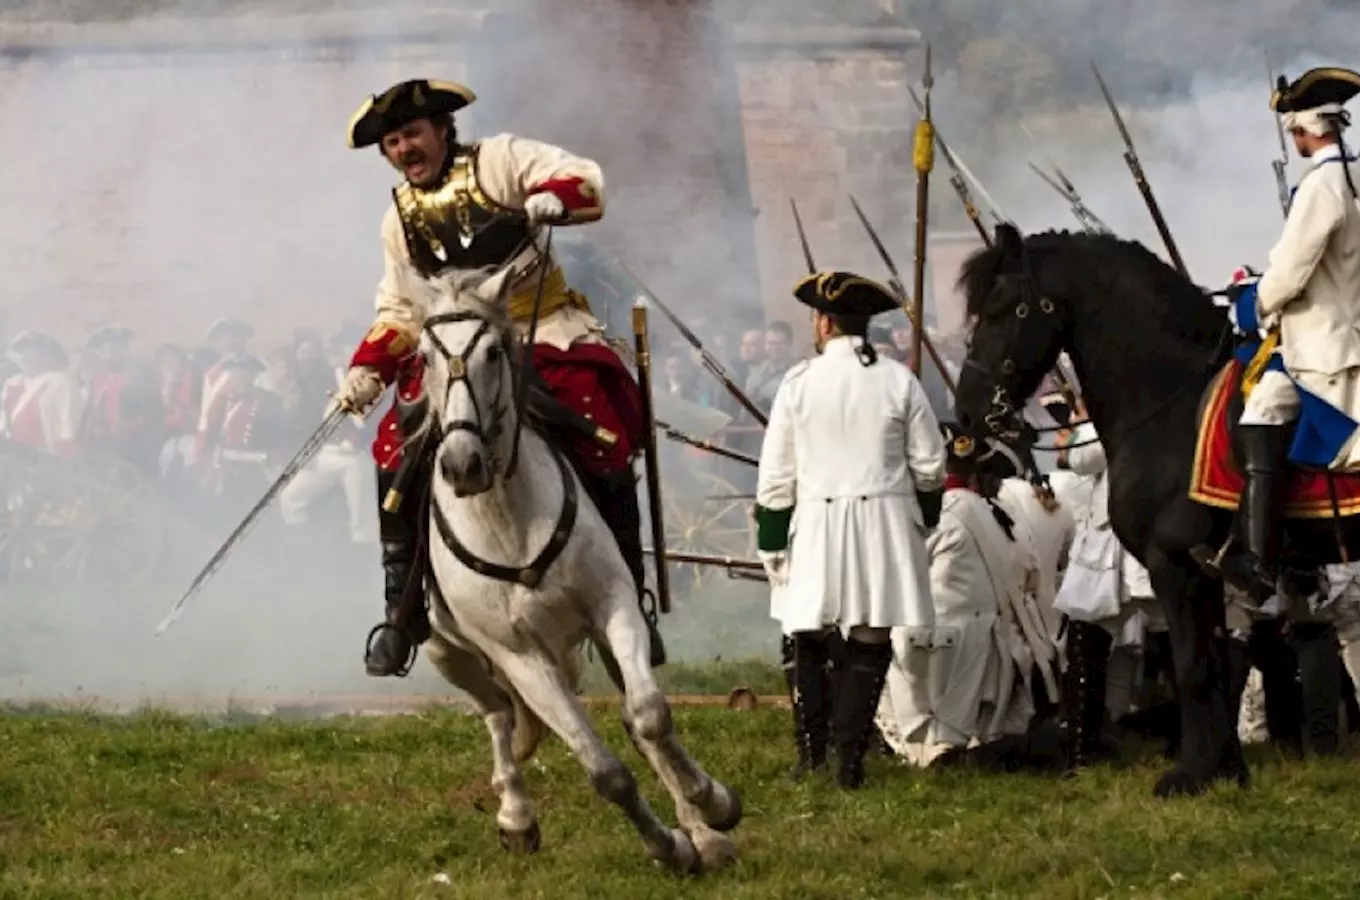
[529,728]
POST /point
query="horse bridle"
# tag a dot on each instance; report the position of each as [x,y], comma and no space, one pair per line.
[488,432]
[1003,415]
[530,575]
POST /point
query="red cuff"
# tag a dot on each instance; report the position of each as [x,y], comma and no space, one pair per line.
[580,198]
[384,349]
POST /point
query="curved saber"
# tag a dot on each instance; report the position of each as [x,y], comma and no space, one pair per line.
[314,443]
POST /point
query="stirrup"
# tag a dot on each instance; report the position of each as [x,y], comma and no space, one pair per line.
[405,668]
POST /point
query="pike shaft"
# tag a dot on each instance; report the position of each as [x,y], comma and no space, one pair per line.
[642,347]
[708,446]
[711,363]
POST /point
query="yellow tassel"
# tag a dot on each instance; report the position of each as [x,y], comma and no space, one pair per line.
[1259,360]
[924,152]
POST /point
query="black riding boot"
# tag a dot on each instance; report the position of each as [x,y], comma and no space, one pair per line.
[811,701]
[1264,449]
[1083,700]
[392,644]
[616,498]
[786,665]
[1316,647]
[858,690]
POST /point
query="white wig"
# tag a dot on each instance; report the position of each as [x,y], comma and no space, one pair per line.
[1320,121]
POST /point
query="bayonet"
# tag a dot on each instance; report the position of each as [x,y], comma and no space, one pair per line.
[1059,182]
[1279,165]
[802,238]
[895,283]
[733,564]
[676,434]
[710,362]
[1140,179]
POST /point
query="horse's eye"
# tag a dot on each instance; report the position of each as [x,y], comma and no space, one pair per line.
[493,353]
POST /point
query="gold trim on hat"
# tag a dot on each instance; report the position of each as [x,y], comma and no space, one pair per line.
[1310,78]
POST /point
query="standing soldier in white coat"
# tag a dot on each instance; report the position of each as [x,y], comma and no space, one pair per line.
[1309,302]
[851,476]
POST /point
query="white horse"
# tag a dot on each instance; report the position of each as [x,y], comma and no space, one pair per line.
[525,570]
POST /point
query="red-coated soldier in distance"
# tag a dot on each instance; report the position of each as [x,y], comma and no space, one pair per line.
[468,206]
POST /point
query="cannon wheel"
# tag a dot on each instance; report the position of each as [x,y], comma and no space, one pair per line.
[89,523]
[705,514]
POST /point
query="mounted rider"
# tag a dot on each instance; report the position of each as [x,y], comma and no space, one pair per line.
[851,474]
[1306,404]
[474,206]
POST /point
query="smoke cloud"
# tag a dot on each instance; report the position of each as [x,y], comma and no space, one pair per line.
[164,187]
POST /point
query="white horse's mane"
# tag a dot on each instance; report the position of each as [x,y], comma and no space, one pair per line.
[480,292]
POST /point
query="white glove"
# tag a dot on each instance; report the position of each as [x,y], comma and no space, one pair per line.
[545,207]
[361,389]
[776,566]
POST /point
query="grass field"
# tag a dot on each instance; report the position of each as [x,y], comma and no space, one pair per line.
[157,806]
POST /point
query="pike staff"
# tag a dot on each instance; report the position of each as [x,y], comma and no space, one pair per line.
[895,284]
[642,347]
[1136,168]
[923,155]
[958,181]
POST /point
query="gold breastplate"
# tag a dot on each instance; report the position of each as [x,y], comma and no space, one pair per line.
[453,224]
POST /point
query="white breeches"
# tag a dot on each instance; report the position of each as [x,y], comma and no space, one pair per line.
[177,453]
[333,466]
[1274,401]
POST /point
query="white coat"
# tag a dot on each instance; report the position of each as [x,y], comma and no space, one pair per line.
[959,681]
[847,448]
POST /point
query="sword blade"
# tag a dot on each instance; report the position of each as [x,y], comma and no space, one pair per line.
[314,443]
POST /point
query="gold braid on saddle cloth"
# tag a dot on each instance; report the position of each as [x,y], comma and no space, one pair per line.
[556,295]
[1256,367]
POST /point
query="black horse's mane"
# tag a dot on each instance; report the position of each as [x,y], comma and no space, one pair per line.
[1182,308]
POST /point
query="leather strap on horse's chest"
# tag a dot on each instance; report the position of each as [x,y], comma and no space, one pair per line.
[531,575]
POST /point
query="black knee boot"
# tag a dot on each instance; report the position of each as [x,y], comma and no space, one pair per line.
[392,644]
[1264,449]
[1316,648]
[811,701]
[1280,689]
[859,687]
[786,666]
[1083,700]
[615,496]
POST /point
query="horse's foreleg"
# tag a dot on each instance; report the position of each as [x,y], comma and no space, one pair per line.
[1209,747]
[703,805]
[544,690]
[517,818]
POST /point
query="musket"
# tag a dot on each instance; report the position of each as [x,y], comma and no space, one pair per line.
[1279,165]
[923,155]
[1059,182]
[717,449]
[710,362]
[709,559]
[895,283]
[309,449]
[957,180]
[642,349]
[802,238]
[1136,168]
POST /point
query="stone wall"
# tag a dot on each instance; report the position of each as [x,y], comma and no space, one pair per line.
[162,174]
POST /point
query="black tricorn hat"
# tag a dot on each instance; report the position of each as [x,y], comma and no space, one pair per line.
[403,103]
[242,362]
[1059,406]
[1315,88]
[38,342]
[985,457]
[230,327]
[844,294]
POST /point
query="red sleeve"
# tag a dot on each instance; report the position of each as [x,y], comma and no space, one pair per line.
[384,349]
[580,197]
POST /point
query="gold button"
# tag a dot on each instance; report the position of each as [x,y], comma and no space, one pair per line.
[585,399]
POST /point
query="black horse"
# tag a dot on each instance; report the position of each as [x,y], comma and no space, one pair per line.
[1145,342]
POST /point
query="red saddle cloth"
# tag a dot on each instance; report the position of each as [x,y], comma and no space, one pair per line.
[592,381]
[1215,479]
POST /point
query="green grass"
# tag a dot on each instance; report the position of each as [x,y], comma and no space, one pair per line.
[161,807]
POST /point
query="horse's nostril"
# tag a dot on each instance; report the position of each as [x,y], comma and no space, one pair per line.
[476,468]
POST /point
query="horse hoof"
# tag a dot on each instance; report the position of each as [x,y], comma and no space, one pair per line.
[716,851]
[683,858]
[522,841]
[731,812]
[1180,783]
